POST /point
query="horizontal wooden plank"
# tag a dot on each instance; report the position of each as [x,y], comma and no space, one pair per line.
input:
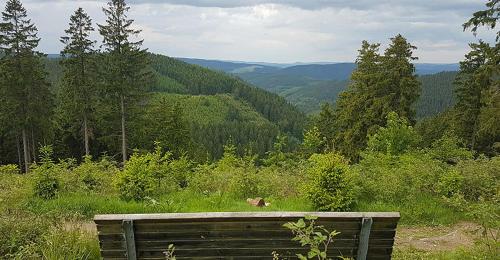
[276,243]
[238,252]
[352,234]
[245,215]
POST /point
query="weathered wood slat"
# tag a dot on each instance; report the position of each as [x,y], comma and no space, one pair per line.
[218,243]
[197,226]
[187,217]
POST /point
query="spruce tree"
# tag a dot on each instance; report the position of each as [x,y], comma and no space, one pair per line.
[126,74]
[402,86]
[358,108]
[27,91]
[379,85]
[478,86]
[78,93]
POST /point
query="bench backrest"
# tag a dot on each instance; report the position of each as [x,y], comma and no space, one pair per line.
[242,235]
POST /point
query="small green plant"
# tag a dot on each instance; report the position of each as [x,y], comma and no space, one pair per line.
[317,238]
[9,169]
[144,175]
[46,184]
[331,186]
[170,253]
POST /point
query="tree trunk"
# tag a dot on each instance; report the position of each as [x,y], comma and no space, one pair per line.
[26,152]
[124,136]
[20,163]
[33,146]
[86,136]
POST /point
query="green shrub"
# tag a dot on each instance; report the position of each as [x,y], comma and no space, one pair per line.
[9,169]
[390,178]
[46,182]
[90,176]
[181,170]
[145,175]
[481,178]
[396,138]
[46,186]
[449,149]
[136,181]
[331,184]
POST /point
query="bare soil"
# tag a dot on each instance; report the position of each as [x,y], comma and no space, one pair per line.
[438,238]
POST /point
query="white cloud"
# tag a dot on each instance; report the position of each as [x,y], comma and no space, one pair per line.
[277,30]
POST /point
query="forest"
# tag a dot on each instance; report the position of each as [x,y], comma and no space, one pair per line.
[109,127]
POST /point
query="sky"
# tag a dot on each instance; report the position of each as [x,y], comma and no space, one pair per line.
[280,31]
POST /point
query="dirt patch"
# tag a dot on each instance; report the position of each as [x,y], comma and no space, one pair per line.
[438,238]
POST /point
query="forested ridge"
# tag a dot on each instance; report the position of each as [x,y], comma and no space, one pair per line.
[176,77]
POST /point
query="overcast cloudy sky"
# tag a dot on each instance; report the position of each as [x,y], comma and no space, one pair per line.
[277,30]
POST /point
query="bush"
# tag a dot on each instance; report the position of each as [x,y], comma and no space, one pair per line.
[449,149]
[396,138]
[331,184]
[9,169]
[46,184]
[233,176]
[90,176]
[481,178]
[396,179]
[145,176]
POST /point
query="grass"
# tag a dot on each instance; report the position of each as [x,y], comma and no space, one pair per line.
[421,211]
[88,205]
[476,252]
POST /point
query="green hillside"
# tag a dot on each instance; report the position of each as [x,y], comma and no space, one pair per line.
[308,94]
[214,120]
[437,93]
[218,108]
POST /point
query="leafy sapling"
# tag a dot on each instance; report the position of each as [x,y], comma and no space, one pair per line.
[317,238]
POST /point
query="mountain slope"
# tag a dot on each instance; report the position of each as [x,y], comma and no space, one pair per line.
[202,81]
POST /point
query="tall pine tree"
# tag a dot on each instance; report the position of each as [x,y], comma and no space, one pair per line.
[28,96]
[357,108]
[379,85]
[478,86]
[126,74]
[78,92]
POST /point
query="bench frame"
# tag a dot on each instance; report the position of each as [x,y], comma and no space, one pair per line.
[128,222]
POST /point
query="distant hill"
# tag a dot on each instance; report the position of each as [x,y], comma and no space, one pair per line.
[314,71]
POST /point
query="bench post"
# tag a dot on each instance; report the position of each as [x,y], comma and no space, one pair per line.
[364,238]
[128,228]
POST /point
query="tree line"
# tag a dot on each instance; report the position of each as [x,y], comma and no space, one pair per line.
[116,76]
[386,83]
[99,101]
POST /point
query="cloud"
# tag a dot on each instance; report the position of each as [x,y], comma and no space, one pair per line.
[277,30]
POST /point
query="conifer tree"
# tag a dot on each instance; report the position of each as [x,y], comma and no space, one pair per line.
[379,85]
[357,108]
[78,93]
[126,73]
[27,91]
[478,86]
[402,86]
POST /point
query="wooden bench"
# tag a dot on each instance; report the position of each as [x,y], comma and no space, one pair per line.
[242,235]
